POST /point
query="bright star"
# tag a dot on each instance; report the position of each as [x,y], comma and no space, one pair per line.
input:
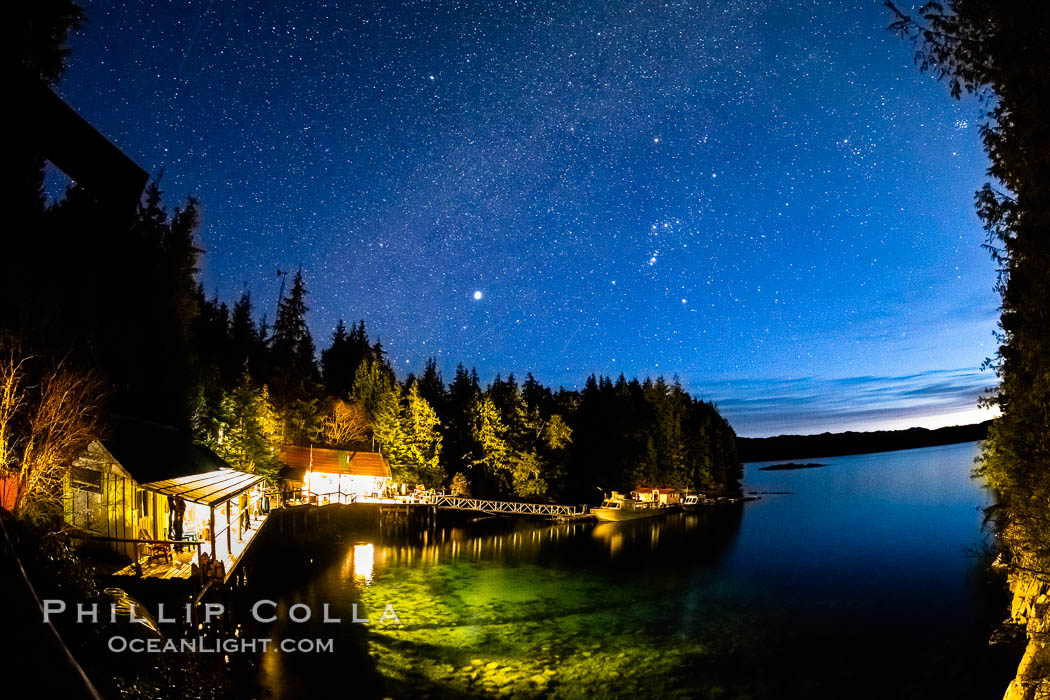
[478,295]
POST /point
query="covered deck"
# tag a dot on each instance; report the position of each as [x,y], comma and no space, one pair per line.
[225,510]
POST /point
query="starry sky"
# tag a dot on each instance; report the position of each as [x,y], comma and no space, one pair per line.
[766,199]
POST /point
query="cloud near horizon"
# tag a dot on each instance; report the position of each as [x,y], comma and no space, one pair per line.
[932,399]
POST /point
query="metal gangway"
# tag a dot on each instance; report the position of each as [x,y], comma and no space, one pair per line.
[508,507]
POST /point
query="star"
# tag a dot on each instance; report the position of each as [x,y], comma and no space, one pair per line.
[478,295]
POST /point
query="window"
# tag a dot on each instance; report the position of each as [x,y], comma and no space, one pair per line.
[86,479]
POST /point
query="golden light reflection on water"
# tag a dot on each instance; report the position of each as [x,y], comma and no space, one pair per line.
[441,546]
[612,535]
[364,562]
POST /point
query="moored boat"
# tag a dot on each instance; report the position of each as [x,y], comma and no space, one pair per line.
[617,508]
[690,502]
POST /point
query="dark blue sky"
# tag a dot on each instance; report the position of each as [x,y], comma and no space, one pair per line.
[766,199]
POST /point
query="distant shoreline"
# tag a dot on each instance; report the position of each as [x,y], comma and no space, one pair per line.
[789,447]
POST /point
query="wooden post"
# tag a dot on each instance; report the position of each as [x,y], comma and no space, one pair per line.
[211,510]
[229,526]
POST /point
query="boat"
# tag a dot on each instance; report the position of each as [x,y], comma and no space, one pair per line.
[617,508]
[690,502]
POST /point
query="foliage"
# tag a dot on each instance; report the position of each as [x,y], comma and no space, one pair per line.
[341,359]
[47,417]
[407,433]
[556,433]
[346,424]
[423,440]
[373,381]
[303,419]
[292,346]
[460,485]
[490,434]
[1000,52]
[509,441]
[630,433]
[248,432]
[40,31]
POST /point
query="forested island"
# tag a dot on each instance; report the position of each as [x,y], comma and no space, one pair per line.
[791,466]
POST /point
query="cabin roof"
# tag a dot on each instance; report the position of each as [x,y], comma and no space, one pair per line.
[208,489]
[354,463]
[152,452]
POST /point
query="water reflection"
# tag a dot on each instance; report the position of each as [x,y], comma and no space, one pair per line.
[788,597]
[364,562]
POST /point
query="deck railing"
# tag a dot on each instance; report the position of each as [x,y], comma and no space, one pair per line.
[553,509]
[442,500]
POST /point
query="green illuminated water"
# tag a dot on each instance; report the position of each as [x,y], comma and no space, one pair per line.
[857,584]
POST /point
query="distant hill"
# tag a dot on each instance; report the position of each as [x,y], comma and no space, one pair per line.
[852,443]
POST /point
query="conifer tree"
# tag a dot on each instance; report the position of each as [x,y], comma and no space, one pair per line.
[998,51]
[336,373]
[292,346]
[420,426]
[248,430]
[432,386]
[372,383]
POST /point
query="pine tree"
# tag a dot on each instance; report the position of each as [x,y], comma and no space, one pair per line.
[432,386]
[490,434]
[420,426]
[457,421]
[292,346]
[247,344]
[388,430]
[338,377]
[248,430]
[372,383]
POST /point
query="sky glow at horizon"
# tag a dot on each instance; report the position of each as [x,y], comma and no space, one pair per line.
[767,200]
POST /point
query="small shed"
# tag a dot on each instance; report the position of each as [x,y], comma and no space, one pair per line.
[335,476]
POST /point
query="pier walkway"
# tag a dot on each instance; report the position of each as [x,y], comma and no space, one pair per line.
[430,499]
[507,507]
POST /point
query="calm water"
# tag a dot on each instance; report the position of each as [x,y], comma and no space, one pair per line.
[860,582]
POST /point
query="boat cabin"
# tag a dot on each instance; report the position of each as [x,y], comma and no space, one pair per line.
[667,497]
[617,501]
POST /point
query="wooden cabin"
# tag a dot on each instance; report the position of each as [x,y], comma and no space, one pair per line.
[335,476]
[120,488]
[103,492]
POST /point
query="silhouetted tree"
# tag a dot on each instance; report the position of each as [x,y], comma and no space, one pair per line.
[1000,52]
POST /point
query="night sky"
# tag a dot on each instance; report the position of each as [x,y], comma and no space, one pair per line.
[766,199]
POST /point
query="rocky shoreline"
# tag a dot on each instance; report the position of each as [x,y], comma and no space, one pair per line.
[1030,611]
